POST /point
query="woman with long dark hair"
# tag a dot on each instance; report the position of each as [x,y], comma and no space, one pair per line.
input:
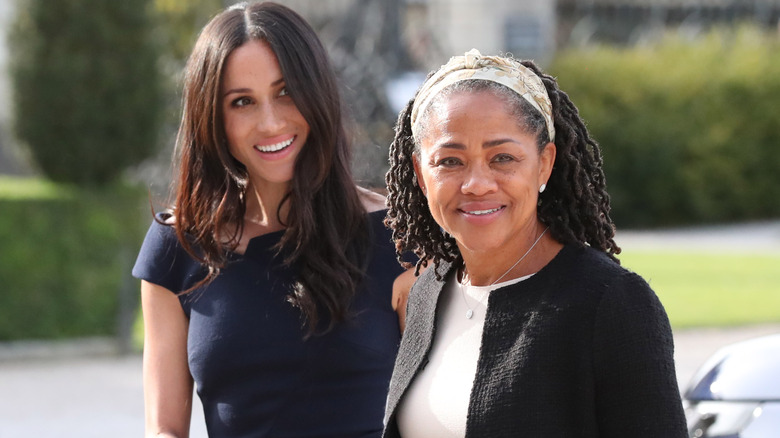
[270,282]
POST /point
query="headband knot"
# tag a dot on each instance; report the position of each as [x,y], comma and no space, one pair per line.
[473,65]
[471,59]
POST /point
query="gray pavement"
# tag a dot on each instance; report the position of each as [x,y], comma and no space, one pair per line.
[84,389]
[73,389]
[756,237]
[90,394]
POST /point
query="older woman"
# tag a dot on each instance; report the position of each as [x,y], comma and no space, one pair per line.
[526,325]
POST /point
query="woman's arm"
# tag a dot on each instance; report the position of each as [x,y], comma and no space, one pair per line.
[167,380]
[637,393]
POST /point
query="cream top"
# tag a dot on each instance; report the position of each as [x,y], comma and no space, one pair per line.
[436,403]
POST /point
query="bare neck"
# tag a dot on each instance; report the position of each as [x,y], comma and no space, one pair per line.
[262,209]
[484,269]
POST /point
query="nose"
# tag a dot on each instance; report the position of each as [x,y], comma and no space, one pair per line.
[270,119]
[479,180]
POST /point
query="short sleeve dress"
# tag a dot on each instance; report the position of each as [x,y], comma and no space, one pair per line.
[255,373]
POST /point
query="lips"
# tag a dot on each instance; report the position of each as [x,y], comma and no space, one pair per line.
[481,210]
[276,147]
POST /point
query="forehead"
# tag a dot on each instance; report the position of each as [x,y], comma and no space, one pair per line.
[253,60]
[467,113]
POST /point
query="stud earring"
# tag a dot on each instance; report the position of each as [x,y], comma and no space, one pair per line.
[542,187]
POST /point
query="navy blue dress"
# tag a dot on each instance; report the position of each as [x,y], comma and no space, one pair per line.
[254,372]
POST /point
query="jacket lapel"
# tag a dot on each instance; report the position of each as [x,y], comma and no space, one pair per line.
[418,336]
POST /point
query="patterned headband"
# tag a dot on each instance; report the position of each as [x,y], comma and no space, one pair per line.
[473,65]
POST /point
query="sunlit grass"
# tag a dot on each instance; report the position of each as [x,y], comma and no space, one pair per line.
[31,188]
[701,289]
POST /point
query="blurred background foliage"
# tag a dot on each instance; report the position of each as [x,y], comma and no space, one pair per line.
[65,257]
[89,96]
[688,127]
[88,93]
[181,22]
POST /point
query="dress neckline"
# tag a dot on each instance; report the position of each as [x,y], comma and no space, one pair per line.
[267,240]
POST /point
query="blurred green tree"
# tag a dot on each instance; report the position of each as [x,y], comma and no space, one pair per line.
[88,93]
[182,20]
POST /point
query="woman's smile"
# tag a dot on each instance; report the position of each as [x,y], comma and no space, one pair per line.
[275,147]
[481,215]
[482,212]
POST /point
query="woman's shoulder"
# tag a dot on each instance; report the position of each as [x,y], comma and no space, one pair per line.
[594,273]
[371,200]
[617,282]
[162,230]
[376,209]
[162,259]
[592,261]
[596,286]
[165,218]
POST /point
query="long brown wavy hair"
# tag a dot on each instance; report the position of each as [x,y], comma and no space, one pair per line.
[575,204]
[326,230]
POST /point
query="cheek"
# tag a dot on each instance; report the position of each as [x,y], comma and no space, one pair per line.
[438,184]
[233,141]
[441,190]
[434,200]
[232,128]
[429,179]
[233,150]
[295,115]
[230,136]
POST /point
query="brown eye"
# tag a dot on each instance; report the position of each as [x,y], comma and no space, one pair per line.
[240,102]
[448,162]
[503,158]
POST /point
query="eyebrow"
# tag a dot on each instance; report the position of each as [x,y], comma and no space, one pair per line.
[249,90]
[485,145]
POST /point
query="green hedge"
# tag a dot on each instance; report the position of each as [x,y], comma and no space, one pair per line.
[65,257]
[689,128]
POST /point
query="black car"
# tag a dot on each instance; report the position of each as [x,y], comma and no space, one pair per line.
[736,393]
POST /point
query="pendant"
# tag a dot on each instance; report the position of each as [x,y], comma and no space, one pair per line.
[469,314]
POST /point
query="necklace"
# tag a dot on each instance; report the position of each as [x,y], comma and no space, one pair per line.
[470,312]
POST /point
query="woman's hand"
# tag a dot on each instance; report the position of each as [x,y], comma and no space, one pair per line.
[401,287]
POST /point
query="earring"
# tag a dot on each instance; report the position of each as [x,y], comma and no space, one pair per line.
[542,187]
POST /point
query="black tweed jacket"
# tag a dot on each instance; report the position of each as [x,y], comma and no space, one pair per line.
[581,349]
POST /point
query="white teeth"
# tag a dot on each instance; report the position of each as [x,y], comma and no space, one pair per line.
[275,147]
[481,212]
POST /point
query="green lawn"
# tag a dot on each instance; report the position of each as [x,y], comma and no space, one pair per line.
[704,289]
